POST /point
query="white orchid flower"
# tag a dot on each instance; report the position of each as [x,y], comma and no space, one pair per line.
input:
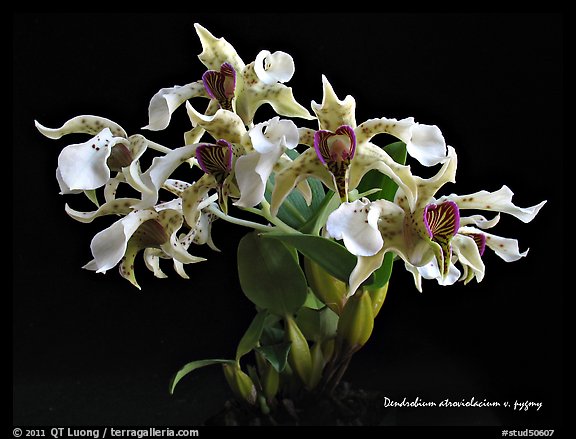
[343,153]
[429,231]
[269,139]
[231,84]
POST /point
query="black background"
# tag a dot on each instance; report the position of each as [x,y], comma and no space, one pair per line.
[91,349]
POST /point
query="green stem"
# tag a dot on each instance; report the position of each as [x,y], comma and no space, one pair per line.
[256,226]
[265,213]
[157,147]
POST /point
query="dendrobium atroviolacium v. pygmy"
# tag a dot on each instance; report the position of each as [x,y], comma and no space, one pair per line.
[432,235]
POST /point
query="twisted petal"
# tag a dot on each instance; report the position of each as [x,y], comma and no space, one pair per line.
[85,124]
[498,201]
[163,103]
[84,165]
[159,171]
[479,221]
[423,142]
[122,206]
[274,135]
[216,51]
[274,67]
[468,253]
[109,246]
[333,112]
[171,220]
[431,271]
[506,248]
[427,188]
[194,195]
[356,224]
[369,156]
[253,93]
[152,260]
[305,165]
[222,125]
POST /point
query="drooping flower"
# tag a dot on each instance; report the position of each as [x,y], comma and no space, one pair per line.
[430,236]
[342,153]
[231,85]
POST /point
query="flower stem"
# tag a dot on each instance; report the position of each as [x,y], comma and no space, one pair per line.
[256,226]
[265,213]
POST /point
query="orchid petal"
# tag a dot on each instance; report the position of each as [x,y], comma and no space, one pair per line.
[152,261]
[126,266]
[468,254]
[120,206]
[333,112]
[109,246]
[305,165]
[159,171]
[423,142]
[427,188]
[193,196]
[111,187]
[431,271]
[216,51]
[365,266]
[369,156]
[273,135]
[85,124]
[64,189]
[222,125]
[171,220]
[498,201]
[479,221]
[163,103]
[356,224]
[274,67]
[506,248]
[252,172]
[83,165]
[177,187]
[253,93]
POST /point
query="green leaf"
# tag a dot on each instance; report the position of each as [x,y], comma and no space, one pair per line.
[331,256]
[269,275]
[375,179]
[252,335]
[191,367]
[328,205]
[317,325]
[312,301]
[382,275]
[276,354]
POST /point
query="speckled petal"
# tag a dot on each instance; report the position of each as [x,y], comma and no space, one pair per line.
[423,142]
[305,165]
[216,51]
[159,171]
[83,165]
[356,224]
[428,187]
[152,260]
[369,156]
[109,245]
[126,266]
[121,206]
[85,124]
[222,125]
[274,67]
[333,112]
[194,195]
[498,201]
[506,248]
[171,221]
[163,103]
[252,93]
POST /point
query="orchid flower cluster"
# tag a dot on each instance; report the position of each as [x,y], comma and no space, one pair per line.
[334,212]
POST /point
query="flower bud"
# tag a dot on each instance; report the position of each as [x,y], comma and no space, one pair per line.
[378,296]
[330,290]
[240,383]
[356,323]
[299,356]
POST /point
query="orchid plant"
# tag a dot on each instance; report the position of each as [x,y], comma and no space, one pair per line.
[328,212]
